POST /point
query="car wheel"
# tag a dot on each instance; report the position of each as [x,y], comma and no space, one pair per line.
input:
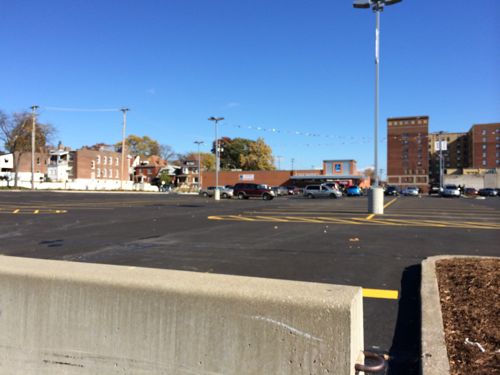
[266,197]
[333,196]
[205,195]
[224,195]
[309,196]
[241,196]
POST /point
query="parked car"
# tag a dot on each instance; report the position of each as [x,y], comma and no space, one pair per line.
[435,190]
[471,191]
[488,192]
[391,191]
[410,191]
[210,192]
[354,191]
[245,191]
[321,191]
[451,191]
[280,190]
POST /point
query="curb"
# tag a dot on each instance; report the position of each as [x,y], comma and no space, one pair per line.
[434,353]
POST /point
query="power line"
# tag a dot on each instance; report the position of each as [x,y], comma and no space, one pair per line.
[64,109]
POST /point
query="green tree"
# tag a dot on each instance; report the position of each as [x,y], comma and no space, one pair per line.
[15,132]
[258,158]
[139,146]
[232,149]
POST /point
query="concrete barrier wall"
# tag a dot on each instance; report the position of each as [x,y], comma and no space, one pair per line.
[74,318]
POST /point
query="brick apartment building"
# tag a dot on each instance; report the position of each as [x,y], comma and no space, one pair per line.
[407,151]
[412,151]
[484,141]
[85,164]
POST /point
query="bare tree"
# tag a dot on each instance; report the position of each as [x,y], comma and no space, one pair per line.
[15,132]
[167,152]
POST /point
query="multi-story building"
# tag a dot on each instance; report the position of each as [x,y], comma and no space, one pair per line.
[484,143]
[407,151]
[23,161]
[455,155]
[147,170]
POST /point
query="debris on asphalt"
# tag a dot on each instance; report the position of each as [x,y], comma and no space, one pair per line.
[355,239]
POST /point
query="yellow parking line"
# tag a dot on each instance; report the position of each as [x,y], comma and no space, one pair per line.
[36,212]
[380,293]
[369,217]
[16,211]
[391,202]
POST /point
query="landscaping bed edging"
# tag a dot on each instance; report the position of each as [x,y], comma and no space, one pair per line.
[434,360]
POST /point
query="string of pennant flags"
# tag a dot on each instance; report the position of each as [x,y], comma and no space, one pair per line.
[335,140]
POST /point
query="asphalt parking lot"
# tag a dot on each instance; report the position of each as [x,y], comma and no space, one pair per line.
[320,240]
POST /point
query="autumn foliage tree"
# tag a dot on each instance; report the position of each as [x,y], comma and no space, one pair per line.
[15,132]
[140,146]
[245,154]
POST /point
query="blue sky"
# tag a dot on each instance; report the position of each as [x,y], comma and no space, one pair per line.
[293,66]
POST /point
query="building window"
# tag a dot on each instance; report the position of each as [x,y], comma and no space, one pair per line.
[484,147]
[116,162]
[98,160]
[92,164]
[104,160]
[149,171]
[104,173]
[484,162]
[484,154]
[483,132]
[110,173]
[117,174]
[98,172]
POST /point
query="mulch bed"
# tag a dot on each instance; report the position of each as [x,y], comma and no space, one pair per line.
[470,301]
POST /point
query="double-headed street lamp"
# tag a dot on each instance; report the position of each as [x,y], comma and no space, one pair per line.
[198,143]
[376,201]
[217,192]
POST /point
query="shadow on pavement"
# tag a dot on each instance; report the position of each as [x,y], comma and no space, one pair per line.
[406,348]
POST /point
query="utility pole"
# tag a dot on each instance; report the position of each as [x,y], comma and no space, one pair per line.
[217,161]
[33,128]
[199,163]
[124,110]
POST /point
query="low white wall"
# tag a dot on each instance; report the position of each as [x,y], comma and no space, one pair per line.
[75,318]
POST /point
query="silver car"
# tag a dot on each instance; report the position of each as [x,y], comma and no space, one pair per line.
[321,191]
[410,191]
[210,192]
[451,191]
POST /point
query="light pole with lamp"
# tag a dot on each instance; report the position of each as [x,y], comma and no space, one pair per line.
[33,131]
[376,197]
[217,192]
[441,174]
[198,143]
[124,110]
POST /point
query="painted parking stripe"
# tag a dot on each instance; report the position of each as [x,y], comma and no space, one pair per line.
[391,202]
[16,211]
[361,221]
[380,293]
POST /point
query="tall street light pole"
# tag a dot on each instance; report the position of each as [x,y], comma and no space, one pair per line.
[217,162]
[376,197]
[124,111]
[33,129]
[198,143]
[440,143]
